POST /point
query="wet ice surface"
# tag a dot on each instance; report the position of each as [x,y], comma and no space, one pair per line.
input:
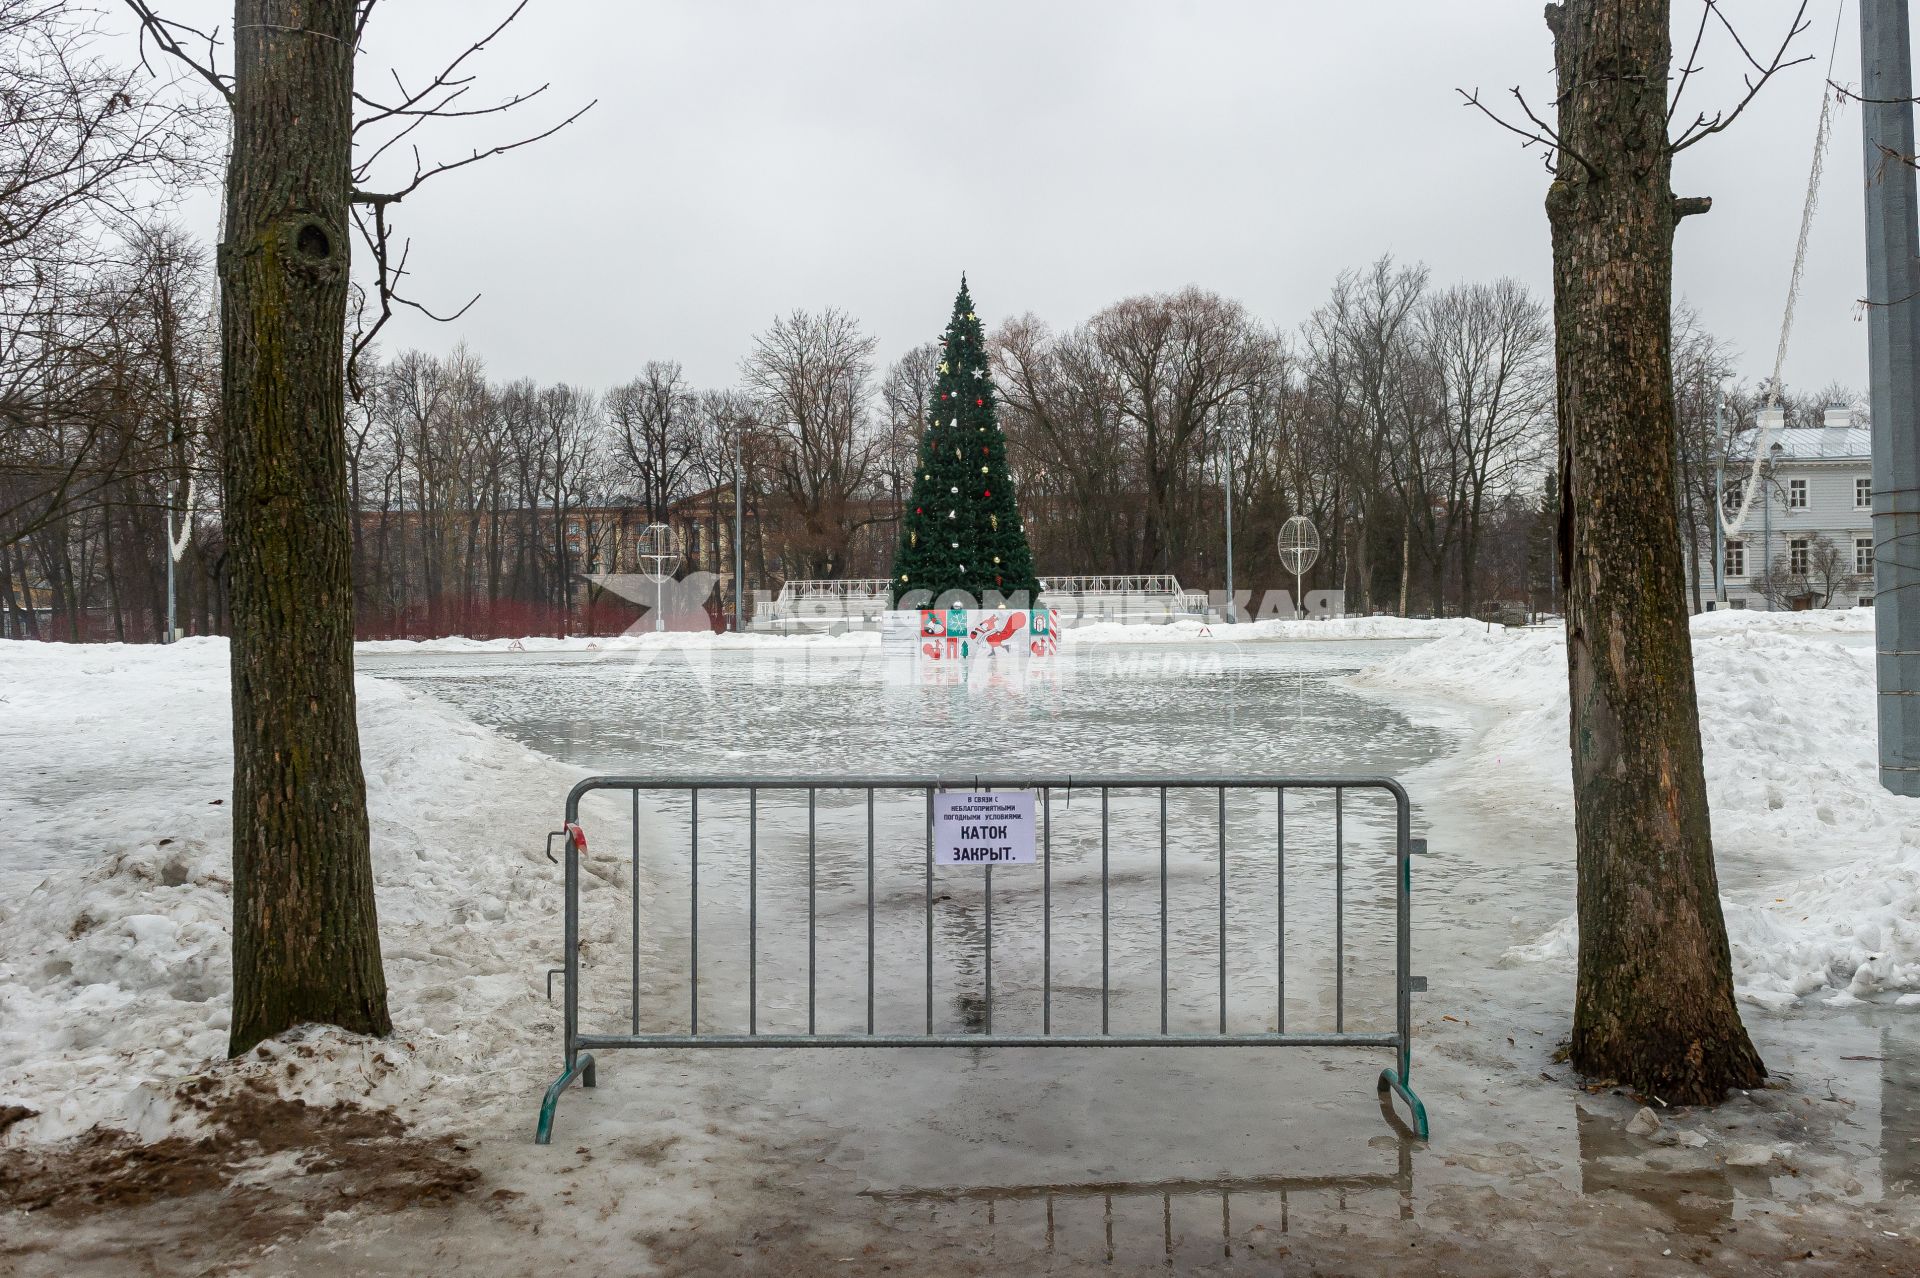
[1168,1155]
[1106,708]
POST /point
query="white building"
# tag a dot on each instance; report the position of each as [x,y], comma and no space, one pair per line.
[1807,541]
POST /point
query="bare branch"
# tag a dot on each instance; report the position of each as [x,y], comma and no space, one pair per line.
[422,173]
[163,31]
[445,77]
[1703,126]
[1691,65]
[1541,134]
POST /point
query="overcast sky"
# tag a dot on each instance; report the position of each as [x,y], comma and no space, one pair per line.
[748,157]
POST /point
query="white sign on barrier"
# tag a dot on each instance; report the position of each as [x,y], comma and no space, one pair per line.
[973,827]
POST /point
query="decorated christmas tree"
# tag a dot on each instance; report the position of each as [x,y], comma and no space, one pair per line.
[962,529]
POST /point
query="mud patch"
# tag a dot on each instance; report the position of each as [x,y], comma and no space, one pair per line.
[264,1169]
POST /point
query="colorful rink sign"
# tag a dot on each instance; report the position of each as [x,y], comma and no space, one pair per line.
[981,827]
[957,634]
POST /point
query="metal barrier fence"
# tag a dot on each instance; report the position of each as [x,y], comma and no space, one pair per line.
[845,865]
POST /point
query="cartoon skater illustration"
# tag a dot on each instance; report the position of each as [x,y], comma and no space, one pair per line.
[997,632]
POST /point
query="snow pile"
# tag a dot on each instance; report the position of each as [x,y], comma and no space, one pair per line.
[1814,621]
[1821,866]
[114,971]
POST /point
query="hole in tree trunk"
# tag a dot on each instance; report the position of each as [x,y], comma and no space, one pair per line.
[313,243]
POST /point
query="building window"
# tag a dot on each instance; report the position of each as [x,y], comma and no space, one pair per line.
[1798,560]
[1863,556]
[1796,494]
[1862,493]
[1736,560]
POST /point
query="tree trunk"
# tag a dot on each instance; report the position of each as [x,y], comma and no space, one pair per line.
[1693,535]
[1654,1002]
[1406,555]
[305,941]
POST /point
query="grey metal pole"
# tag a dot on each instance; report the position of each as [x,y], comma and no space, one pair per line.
[1766,530]
[1720,506]
[1719,536]
[1227,483]
[1893,345]
[168,627]
[739,557]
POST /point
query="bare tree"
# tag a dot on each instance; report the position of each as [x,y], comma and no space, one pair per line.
[1812,574]
[1061,410]
[305,935]
[811,374]
[88,152]
[905,398]
[1654,1003]
[1492,344]
[1701,366]
[654,423]
[1178,361]
[1355,346]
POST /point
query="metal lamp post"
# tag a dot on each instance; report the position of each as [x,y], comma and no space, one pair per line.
[658,546]
[1720,506]
[1299,547]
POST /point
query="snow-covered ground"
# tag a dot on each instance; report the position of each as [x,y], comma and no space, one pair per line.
[1822,864]
[115,890]
[113,936]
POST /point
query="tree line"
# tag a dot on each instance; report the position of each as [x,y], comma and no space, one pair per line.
[1412,423]
[1409,423]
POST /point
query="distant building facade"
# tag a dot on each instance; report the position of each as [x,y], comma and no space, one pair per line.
[1807,541]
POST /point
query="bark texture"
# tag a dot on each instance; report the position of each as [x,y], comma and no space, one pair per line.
[1655,1007]
[305,937]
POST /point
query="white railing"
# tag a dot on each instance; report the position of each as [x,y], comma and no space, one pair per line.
[852,588]
[1151,586]
[858,602]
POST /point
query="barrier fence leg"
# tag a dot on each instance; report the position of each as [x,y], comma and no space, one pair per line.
[581,1068]
[1399,1080]
[579,1064]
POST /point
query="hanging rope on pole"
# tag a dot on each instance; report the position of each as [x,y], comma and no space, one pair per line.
[1828,97]
[178,547]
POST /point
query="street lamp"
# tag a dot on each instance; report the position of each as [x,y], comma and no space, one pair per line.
[658,546]
[1299,545]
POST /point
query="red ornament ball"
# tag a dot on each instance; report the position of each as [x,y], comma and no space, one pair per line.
[987,493]
[978,402]
[916,510]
